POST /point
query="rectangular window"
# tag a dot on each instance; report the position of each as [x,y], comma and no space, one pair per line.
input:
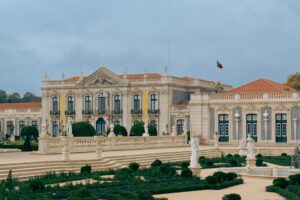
[153,102]
[117,104]
[278,129]
[21,126]
[88,104]
[55,104]
[117,122]
[55,128]
[10,127]
[34,124]
[137,103]
[101,103]
[284,130]
[70,104]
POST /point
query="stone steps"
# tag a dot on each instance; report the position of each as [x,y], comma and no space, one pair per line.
[23,171]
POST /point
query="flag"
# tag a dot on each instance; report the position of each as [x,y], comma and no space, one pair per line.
[219,65]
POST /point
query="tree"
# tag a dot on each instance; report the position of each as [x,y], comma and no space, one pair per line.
[137,129]
[83,129]
[294,81]
[29,132]
[28,97]
[118,130]
[3,96]
[14,98]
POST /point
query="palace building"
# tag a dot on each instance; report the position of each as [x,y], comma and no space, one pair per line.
[267,111]
[15,116]
[105,97]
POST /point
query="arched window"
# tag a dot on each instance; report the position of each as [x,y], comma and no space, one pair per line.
[281,128]
[223,127]
[252,126]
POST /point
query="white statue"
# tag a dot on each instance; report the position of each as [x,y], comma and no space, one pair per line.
[70,130]
[194,157]
[243,151]
[146,134]
[250,148]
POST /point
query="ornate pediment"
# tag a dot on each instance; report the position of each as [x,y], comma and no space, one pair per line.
[102,77]
[222,108]
[281,107]
[251,108]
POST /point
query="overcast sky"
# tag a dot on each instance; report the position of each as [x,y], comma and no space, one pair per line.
[251,38]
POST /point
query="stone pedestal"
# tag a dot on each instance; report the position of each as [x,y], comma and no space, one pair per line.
[66,150]
[251,162]
[196,171]
[98,146]
[111,133]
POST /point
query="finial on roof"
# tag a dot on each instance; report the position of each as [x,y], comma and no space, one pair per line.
[46,76]
[166,70]
[125,73]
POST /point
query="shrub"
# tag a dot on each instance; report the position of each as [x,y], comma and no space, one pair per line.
[167,169]
[36,185]
[185,164]
[228,155]
[83,129]
[233,162]
[259,162]
[281,182]
[211,180]
[134,166]
[220,176]
[186,173]
[284,154]
[118,130]
[82,194]
[231,176]
[231,196]
[156,163]
[28,132]
[259,156]
[152,130]
[87,169]
[137,129]
[295,179]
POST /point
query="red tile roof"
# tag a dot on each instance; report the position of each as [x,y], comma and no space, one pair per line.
[37,105]
[74,78]
[262,85]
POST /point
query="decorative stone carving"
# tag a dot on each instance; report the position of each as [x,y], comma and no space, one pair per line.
[251,160]
[243,148]
[146,134]
[296,158]
[111,133]
[194,164]
[70,130]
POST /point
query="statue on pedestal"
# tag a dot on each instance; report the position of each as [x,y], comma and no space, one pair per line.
[194,157]
[250,148]
[296,158]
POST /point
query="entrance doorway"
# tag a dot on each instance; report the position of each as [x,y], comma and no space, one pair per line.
[100,126]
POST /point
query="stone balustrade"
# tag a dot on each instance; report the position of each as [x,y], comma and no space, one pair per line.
[52,145]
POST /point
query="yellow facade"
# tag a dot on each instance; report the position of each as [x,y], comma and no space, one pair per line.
[145,106]
[62,108]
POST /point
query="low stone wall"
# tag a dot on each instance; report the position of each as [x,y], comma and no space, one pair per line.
[52,145]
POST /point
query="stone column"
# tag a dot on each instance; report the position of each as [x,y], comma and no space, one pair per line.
[295,129]
[78,106]
[216,140]
[98,146]
[266,115]
[237,120]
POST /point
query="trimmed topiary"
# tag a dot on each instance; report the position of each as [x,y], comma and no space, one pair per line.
[137,129]
[118,130]
[233,162]
[259,162]
[231,176]
[83,129]
[87,169]
[28,132]
[167,169]
[259,155]
[186,173]
[156,163]
[284,154]
[295,179]
[134,166]
[152,130]
[281,182]
[185,165]
[211,180]
[220,176]
[231,196]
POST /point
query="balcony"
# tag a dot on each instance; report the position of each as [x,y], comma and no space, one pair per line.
[136,111]
[70,112]
[102,112]
[153,111]
[87,112]
[117,112]
[55,113]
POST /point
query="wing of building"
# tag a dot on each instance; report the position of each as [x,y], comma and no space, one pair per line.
[105,97]
[267,111]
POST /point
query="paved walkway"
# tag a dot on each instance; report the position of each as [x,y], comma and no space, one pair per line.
[252,189]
